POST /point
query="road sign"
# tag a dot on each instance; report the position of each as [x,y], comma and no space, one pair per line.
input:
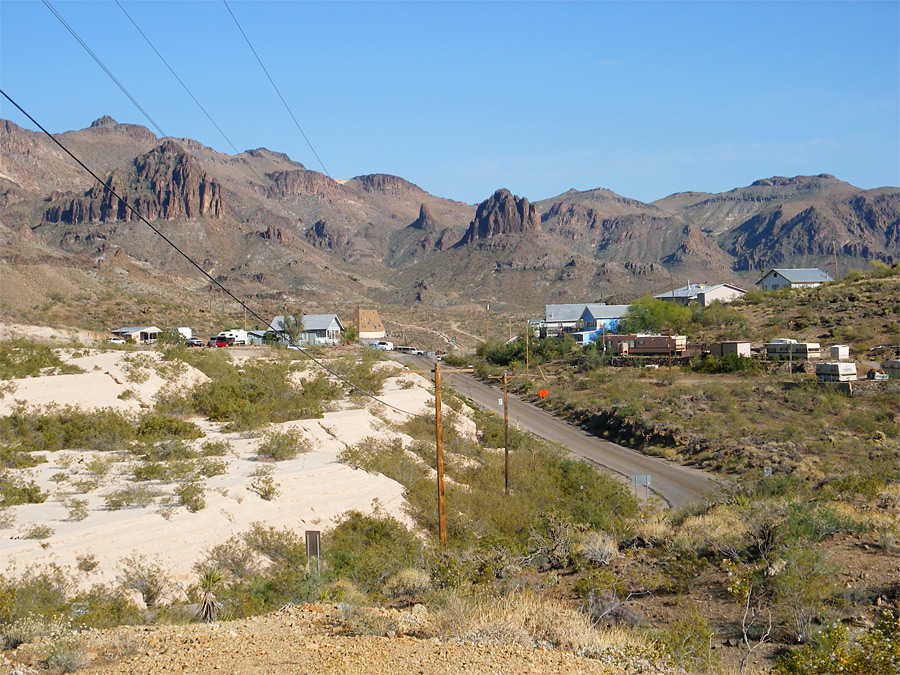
[642,480]
[544,393]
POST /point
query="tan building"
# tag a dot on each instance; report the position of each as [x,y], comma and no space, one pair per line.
[644,344]
[739,347]
[368,324]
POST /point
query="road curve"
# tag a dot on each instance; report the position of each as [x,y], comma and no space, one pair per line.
[675,484]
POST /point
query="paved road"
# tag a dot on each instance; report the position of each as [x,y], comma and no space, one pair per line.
[675,484]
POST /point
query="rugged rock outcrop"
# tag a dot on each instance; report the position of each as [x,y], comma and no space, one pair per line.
[164,184]
[387,184]
[503,213]
[300,183]
[327,235]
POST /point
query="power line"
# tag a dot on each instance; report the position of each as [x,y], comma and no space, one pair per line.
[240,302]
[102,65]
[277,91]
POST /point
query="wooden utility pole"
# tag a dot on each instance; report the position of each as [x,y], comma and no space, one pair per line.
[487,307]
[505,438]
[834,253]
[439,442]
[527,331]
[509,327]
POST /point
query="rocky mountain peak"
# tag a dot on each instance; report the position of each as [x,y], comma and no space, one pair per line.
[425,221]
[502,213]
[105,121]
[163,184]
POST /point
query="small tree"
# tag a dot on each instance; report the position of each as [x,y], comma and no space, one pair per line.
[292,325]
[169,336]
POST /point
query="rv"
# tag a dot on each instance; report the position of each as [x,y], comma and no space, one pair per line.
[234,337]
[836,371]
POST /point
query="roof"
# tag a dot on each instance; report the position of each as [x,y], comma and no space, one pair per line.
[803,275]
[129,330]
[595,312]
[694,290]
[556,313]
[310,322]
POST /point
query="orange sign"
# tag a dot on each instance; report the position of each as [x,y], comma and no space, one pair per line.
[543,393]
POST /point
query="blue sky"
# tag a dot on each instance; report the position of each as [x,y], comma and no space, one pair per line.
[462,98]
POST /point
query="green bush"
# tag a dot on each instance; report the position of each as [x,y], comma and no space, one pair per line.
[14,491]
[192,495]
[22,358]
[283,445]
[368,550]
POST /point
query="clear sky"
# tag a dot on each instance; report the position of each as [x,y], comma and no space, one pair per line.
[463,98]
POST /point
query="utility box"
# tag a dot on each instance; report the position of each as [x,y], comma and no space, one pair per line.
[836,371]
[840,353]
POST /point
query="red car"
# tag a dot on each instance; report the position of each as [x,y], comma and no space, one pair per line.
[217,342]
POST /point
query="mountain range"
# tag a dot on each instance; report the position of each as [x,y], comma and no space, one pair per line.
[267,227]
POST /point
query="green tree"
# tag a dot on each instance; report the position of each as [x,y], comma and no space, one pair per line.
[292,325]
[169,336]
[651,315]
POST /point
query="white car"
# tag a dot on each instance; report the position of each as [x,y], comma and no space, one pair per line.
[116,340]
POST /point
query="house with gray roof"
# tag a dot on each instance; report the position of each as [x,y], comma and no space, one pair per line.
[807,277]
[138,334]
[703,294]
[560,318]
[318,329]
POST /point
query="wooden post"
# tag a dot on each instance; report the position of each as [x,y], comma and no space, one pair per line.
[505,437]
[509,328]
[527,331]
[487,307]
[439,443]
[834,253]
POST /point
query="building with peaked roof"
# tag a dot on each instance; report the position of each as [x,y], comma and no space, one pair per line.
[702,294]
[807,277]
[600,317]
[318,329]
[560,318]
[367,324]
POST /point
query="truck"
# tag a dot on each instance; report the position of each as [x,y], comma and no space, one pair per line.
[234,337]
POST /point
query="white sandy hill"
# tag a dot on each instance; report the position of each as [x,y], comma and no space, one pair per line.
[315,489]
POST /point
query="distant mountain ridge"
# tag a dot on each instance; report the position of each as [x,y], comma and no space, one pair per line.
[269,225]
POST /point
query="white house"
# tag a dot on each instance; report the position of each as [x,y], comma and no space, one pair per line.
[318,329]
[808,277]
[139,334]
[560,318]
[702,294]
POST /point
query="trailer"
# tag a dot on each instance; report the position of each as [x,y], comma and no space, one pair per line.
[836,371]
[787,349]
[235,337]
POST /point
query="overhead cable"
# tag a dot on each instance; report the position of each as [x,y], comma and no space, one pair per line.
[277,91]
[231,295]
[103,65]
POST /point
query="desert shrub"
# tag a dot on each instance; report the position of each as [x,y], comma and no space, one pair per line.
[14,491]
[342,591]
[719,315]
[368,622]
[680,571]
[407,583]
[166,451]
[192,495]
[56,428]
[279,546]
[730,363]
[215,448]
[385,456]
[652,315]
[145,577]
[722,530]
[38,532]
[154,427]
[362,371]
[874,652]
[689,641]
[29,628]
[598,547]
[367,550]
[282,445]
[262,392]
[802,587]
[67,653]
[16,459]
[264,484]
[22,358]
[87,562]
[234,558]
[133,496]
[38,593]
[276,586]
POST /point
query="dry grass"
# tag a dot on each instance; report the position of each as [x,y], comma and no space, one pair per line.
[655,529]
[721,530]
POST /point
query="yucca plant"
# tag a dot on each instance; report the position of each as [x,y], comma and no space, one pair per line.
[209,608]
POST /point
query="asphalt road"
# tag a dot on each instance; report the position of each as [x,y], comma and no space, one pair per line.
[675,484]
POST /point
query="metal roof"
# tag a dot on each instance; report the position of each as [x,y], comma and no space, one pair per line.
[129,330]
[556,313]
[310,322]
[804,275]
[595,312]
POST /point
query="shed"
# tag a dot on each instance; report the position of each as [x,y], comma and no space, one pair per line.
[840,352]
[739,347]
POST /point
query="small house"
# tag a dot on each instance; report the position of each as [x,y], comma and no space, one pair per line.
[840,352]
[599,317]
[318,329]
[809,277]
[703,294]
[643,344]
[789,349]
[138,334]
[367,323]
[561,318]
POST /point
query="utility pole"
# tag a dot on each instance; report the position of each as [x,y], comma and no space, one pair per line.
[505,437]
[509,328]
[487,308]
[834,253]
[439,442]
[527,331]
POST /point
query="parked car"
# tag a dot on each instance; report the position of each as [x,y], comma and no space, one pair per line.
[218,342]
[116,340]
[193,342]
[385,345]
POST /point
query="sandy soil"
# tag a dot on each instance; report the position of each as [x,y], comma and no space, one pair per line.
[315,489]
